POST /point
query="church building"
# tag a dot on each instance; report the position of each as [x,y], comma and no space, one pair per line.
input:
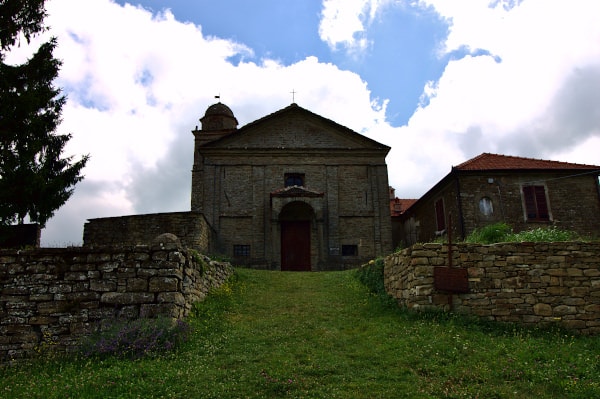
[291,191]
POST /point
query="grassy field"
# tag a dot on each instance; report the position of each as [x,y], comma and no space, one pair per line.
[322,335]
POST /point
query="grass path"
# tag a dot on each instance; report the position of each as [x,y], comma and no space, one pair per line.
[321,335]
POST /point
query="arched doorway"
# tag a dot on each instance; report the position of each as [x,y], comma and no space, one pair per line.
[295,221]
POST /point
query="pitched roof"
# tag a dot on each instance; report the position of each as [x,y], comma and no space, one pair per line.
[399,205]
[355,136]
[487,161]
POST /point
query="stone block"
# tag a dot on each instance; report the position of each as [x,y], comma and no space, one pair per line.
[129,312]
[579,292]
[542,309]
[171,297]
[557,272]
[531,319]
[155,310]
[558,291]
[593,308]
[570,301]
[421,290]
[171,269]
[54,307]
[108,266]
[573,324]
[84,296]
[126,298]
[160,255]
[137,284]
[139,256]
[77,276]
[423,271]
[562,310]
[162,284]
[103,285]
[419,261]
[591,272]
[574,272]
[60,289]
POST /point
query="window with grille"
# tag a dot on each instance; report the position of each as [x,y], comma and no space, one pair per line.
[294,179]
[241,251]
[536,205]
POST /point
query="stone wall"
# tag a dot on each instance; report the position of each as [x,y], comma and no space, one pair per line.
[190,227]
[60,294]
[528,283]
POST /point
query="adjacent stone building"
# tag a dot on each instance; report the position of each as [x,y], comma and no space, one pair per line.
[291,191]
[525,193]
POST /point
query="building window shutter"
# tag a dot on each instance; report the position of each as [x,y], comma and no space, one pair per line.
[536,206]
[439,214]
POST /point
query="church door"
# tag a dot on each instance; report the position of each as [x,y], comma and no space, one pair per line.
[295,245]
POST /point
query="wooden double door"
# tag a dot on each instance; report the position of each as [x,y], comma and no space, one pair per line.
[295,245]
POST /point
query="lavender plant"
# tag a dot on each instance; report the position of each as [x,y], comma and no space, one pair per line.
[137,338]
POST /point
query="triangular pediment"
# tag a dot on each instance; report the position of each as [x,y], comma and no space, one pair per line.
[294,127]
[296,191]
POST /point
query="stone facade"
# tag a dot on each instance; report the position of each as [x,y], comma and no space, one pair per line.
[57,295]
[291,170]
[529,283]
[472,199]
[190,227]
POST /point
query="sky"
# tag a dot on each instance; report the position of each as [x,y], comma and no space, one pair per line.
[438,81]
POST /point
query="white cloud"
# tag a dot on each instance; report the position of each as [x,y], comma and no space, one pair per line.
[345,22]
[137,83]
[531,95]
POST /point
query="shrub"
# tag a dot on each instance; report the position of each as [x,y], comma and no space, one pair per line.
[137,338]
[544,234]
[497,232]
[501,232]
[371,275]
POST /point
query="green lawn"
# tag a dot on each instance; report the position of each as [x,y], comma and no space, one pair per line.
[321,335]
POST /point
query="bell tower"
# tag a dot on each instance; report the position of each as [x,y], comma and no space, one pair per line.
[218,121]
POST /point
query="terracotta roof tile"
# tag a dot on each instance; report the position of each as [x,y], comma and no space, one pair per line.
[399,205]
[487,161]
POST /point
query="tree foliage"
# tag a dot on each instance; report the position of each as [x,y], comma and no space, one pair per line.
[34,179]
[20,17]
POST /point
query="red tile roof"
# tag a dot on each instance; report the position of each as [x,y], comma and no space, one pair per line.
[488,161]
[399,205]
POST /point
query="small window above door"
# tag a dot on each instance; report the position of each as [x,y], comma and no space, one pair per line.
[294,179]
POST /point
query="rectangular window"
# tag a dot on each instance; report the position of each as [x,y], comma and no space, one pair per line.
[294,179]
[349,250]
[536,206]
[241,251]
[440,215]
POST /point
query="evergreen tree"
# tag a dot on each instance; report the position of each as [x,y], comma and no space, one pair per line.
[34,180]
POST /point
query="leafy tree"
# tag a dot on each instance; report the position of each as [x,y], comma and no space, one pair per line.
[34,179]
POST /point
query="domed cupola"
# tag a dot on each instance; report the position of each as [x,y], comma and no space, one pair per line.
[218,117]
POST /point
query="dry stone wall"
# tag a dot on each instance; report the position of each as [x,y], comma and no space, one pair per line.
[190,227]
[57,295]
[528,283]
